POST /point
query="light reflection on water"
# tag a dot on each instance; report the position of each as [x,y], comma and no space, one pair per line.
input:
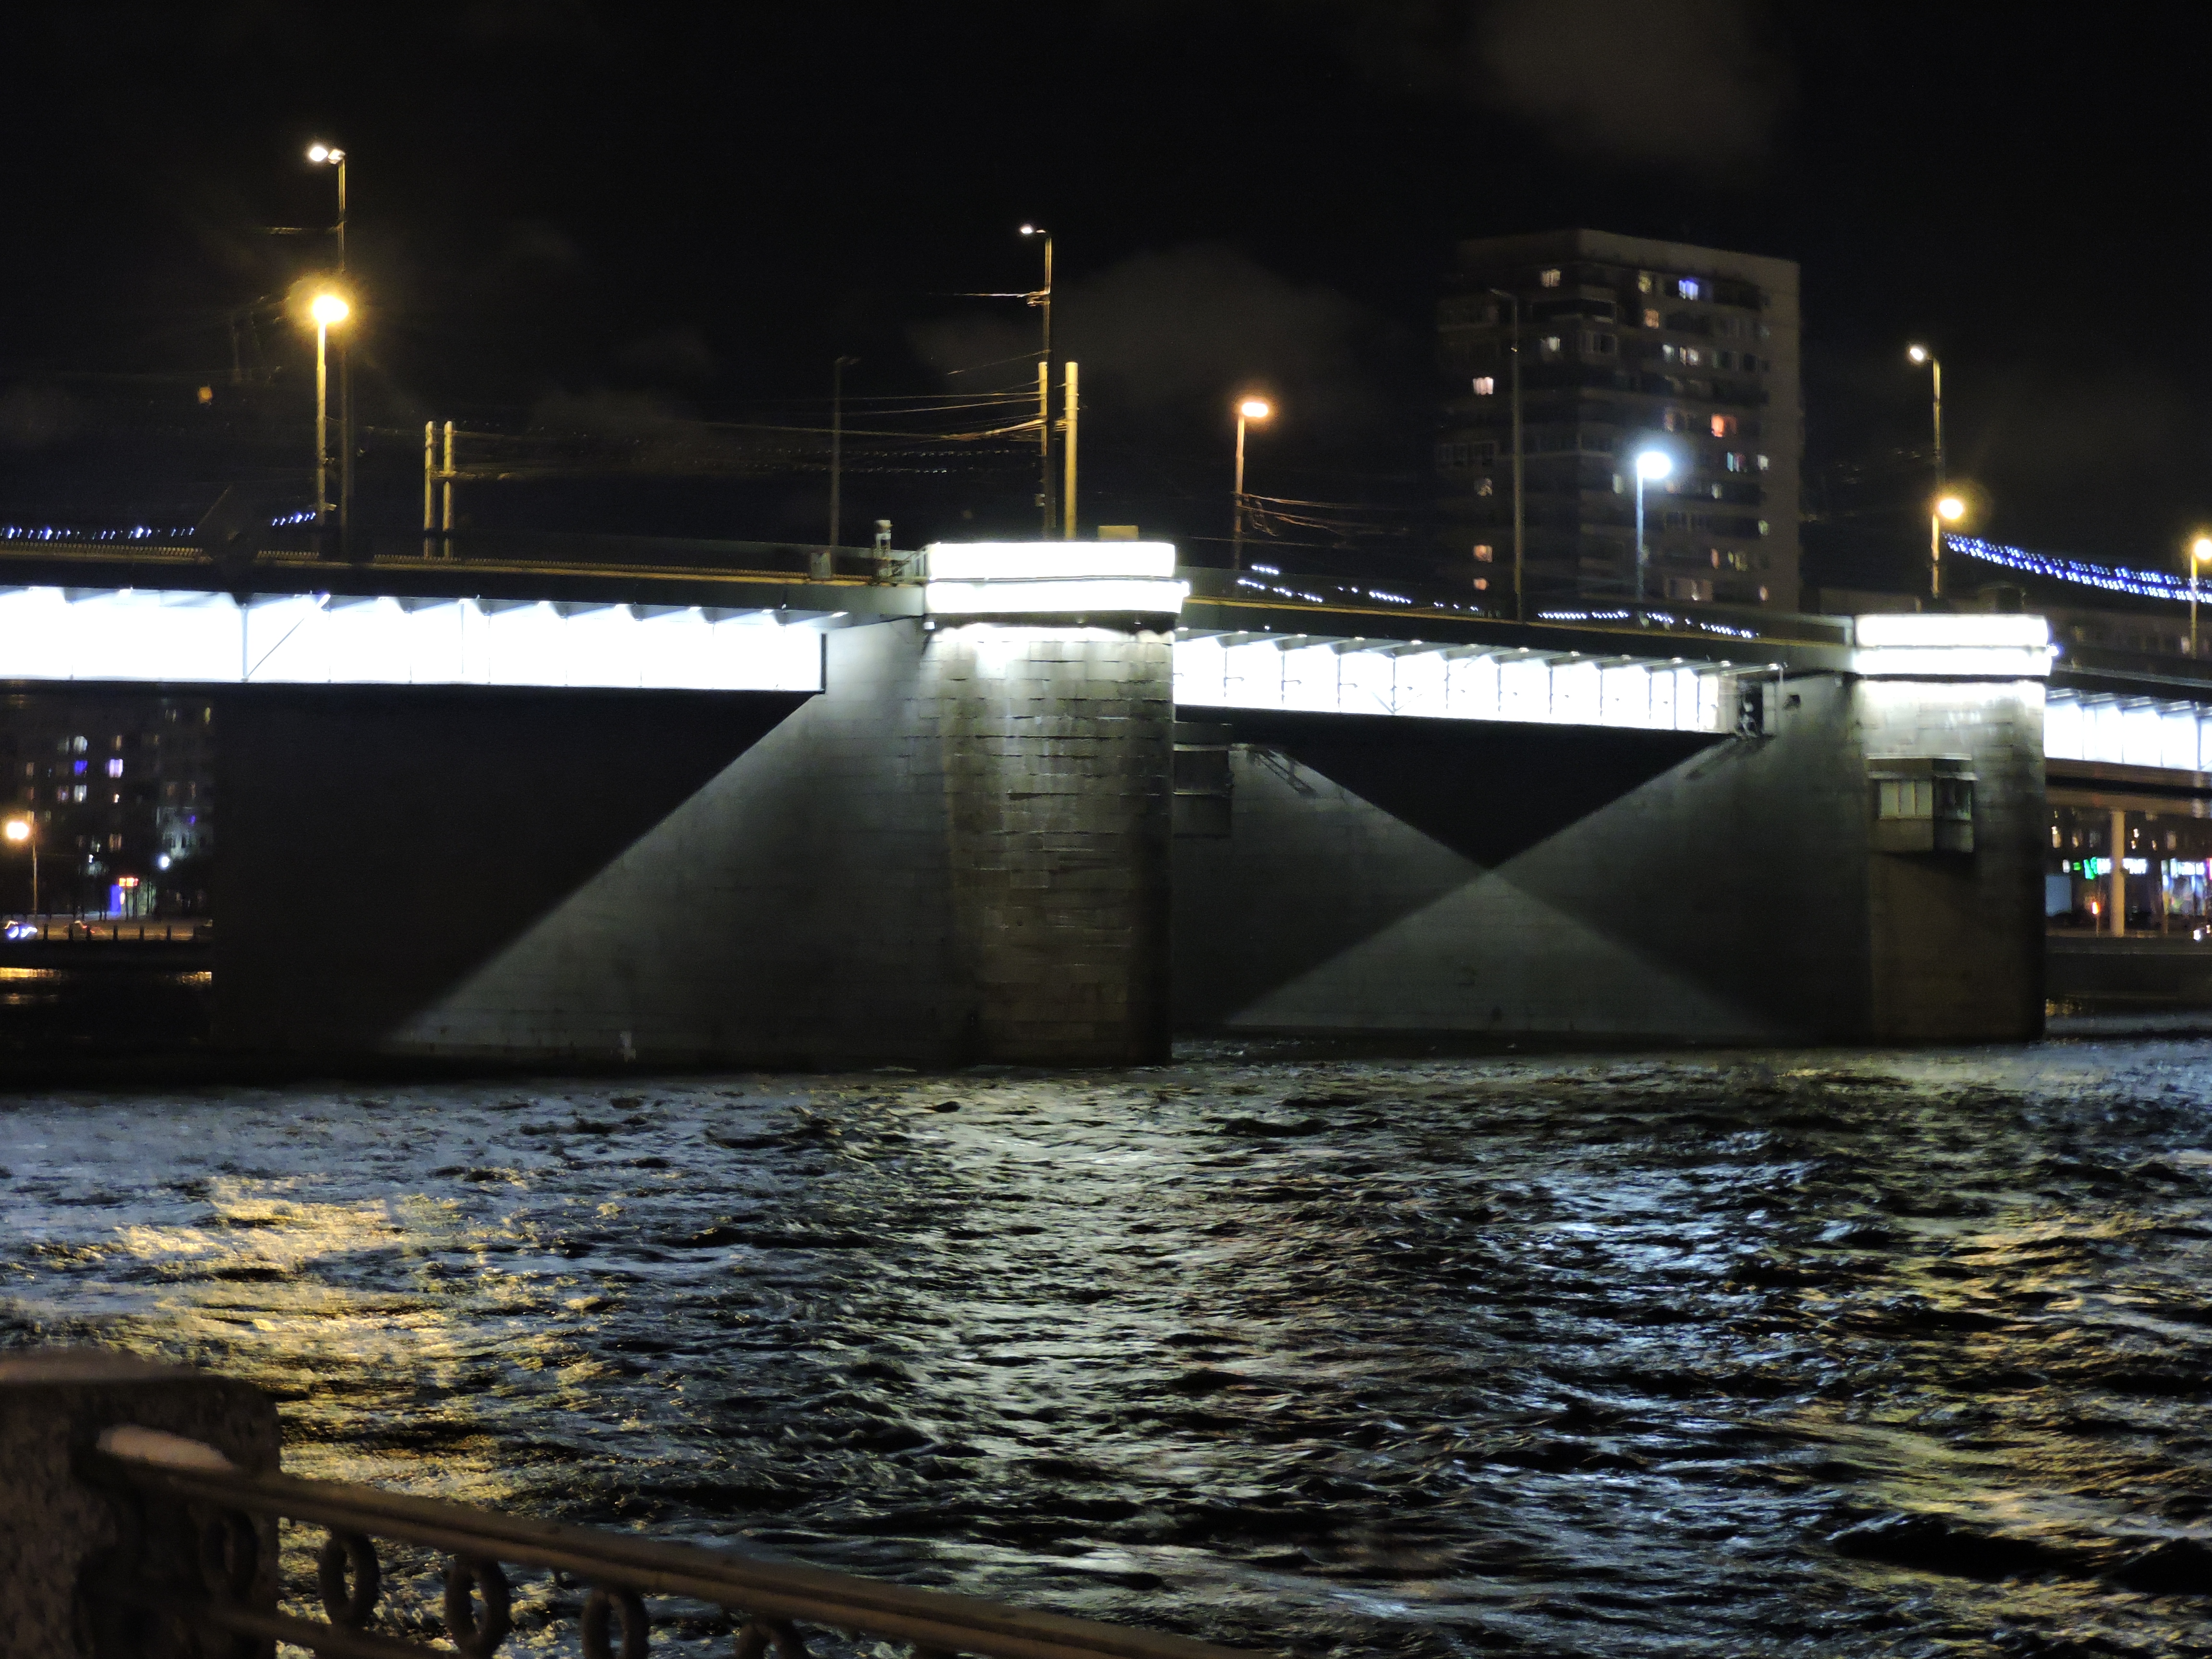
[1838,1354]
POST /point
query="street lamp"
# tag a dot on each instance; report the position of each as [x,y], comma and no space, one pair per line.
[326,308]
[1948,509]
[1920,354]
[322,155]
[1042,299]
[1248,408]
[26,829]
[2199,551]
[1651,466]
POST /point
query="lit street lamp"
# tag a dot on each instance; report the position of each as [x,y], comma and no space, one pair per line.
[326,308]
[1948,509]
[1248,408]
[1651,466]
[322,155]
[2199,551]
[1920,354]
[26,829]
[1042,299]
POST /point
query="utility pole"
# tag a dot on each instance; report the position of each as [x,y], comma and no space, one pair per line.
[326,156]
[1041,298]
[1520,516]
[1068,494]
[836,447]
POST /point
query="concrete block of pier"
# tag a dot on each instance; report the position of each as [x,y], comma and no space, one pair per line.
[66,1546]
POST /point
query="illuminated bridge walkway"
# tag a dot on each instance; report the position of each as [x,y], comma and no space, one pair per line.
[1052,802]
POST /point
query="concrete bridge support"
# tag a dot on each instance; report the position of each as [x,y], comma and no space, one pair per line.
[957,851]
[1861,864]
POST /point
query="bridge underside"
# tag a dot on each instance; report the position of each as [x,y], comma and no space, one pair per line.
[1416,877]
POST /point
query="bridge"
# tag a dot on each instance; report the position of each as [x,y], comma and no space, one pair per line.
[570,800]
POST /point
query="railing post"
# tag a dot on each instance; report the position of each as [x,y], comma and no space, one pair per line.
[64,1570]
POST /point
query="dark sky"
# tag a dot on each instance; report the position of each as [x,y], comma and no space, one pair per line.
[569,210]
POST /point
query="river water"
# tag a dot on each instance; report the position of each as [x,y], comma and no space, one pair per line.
[1834,1353]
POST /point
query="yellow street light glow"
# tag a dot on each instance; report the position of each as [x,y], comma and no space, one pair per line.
[1032,230]
[1951,508]
[1919,353]
[320,153]
[1255,409]
[2200,548]
[18,830]
[1654,464]
[329,308]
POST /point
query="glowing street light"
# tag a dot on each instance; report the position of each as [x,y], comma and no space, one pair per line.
[2199,551]
[1947,509]
[1920,354]
[1042,299]
[1651,466]
[326,156]
[327,309]
[1248,408]
[20,830]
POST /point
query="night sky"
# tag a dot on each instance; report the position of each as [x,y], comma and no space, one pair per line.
[611,218]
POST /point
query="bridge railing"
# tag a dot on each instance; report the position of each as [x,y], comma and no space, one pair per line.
[197,1569]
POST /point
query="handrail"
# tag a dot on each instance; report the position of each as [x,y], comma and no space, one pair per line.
[766,1598]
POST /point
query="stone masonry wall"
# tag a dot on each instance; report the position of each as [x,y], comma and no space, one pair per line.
[1057,756]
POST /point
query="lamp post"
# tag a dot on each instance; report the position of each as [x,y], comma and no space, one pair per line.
[1651,466]
[1520,518]
[1042,299]
[326,308]
[1248,408]
[325,156]
[2199,551]
[1920,354]
[1948,509]
[26,829]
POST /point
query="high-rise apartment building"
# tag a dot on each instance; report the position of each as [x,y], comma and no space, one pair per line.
[1626,345]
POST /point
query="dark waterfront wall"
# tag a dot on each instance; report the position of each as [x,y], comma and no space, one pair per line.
[957,852]
[1438,877]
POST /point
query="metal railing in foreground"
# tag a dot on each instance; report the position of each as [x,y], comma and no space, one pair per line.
[202,1527]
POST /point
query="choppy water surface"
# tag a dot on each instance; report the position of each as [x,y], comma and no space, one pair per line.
[1860,1354]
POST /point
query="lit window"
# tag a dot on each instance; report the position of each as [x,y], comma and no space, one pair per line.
[1762,527]
[77,767]
[1650,320]
[1485,487]
[77,793]
[1485,385]
[1551,343]
[1724,426]
[1690,287]
[115,768]
[1762,596]
[1481,584]
[1484,552]
[1643,281]
[115,844]
[1550,278]
[1762,463]
[1670,353]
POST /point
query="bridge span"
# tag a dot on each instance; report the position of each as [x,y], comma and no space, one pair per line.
[1054,802]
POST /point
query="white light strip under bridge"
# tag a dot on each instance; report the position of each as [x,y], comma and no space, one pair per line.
[329,639]
[1466,683]
[2123,730]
